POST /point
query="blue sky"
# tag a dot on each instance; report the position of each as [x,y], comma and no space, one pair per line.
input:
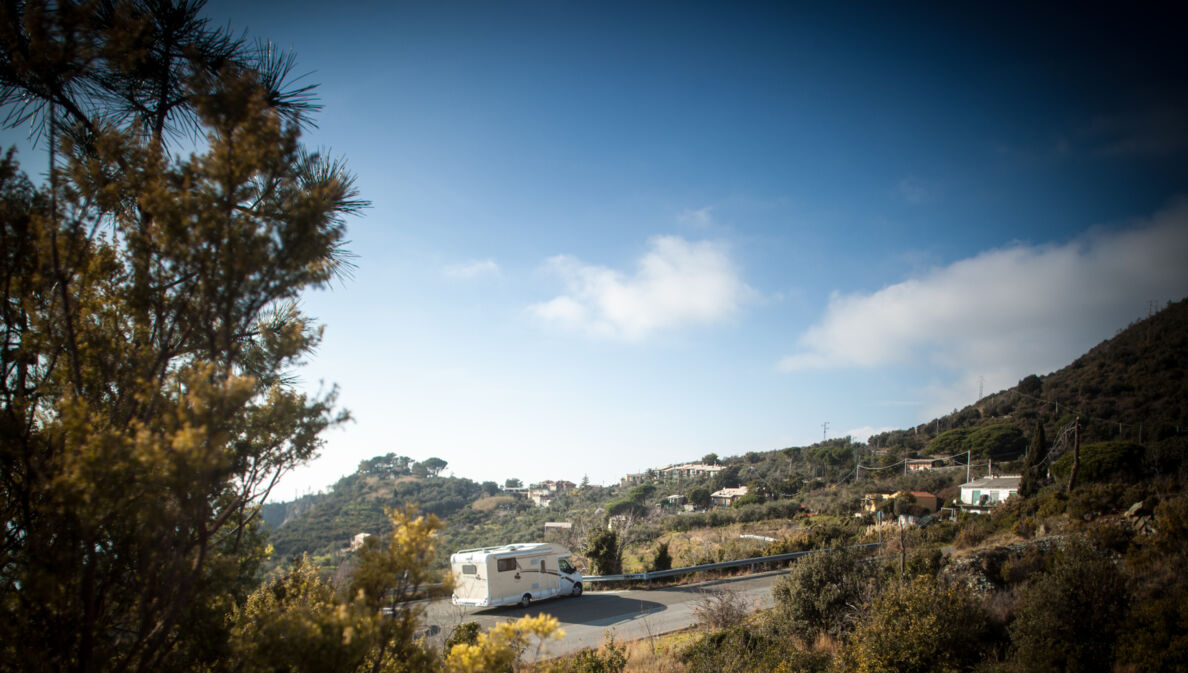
[609,236]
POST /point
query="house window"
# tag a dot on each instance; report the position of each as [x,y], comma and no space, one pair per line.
[976,496]
[505,564]
[469,569]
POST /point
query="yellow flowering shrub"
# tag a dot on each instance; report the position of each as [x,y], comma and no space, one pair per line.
[499,649]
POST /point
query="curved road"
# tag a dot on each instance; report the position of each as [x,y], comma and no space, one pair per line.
[629,615]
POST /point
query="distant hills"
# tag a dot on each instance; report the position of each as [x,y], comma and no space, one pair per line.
[1130,388]
[323,523]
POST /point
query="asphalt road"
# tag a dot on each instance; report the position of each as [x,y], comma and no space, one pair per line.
[629,615]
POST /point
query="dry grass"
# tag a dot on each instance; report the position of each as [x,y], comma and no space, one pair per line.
[656,655]
[690,547]
[492,503]
[719,609]
[827,644]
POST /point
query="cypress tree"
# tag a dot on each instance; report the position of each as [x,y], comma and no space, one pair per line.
[1033,462]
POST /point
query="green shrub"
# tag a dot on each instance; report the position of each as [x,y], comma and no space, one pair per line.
[1021,567]
[974,531]
[1051,502]
[612,658]
[940,532]
[1009,513]
[1092,500]
[823,593]
[1157,633]
[1111,536]
[466,633]
[1025,528]
[1103,461]
[743,649]
[925,562]
[1069,616]
[920,627]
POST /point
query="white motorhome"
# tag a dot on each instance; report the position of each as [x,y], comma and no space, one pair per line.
[513,574]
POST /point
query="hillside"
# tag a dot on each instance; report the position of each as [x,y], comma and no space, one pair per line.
[1130,388]
[355,504]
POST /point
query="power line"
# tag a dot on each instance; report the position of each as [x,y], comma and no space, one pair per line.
[1084,416]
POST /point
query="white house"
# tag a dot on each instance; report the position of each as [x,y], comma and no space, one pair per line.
[981,495]
[690,470]
[357,542]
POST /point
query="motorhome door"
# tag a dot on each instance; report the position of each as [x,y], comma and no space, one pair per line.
[546,569]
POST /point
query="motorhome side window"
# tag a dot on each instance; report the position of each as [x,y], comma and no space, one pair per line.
[469,569]
[505,564]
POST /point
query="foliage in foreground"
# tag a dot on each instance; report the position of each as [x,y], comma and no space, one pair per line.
[919,626]
[499,649]
[824,592]
[1070,615]
[150,331]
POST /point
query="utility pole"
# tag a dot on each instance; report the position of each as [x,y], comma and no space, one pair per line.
[967,456]
[902,550]
[1072,475]
[981,381]
[824,430]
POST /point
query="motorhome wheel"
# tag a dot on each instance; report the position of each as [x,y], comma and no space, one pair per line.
[525,600]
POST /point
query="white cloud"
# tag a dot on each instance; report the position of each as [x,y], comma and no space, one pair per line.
[471,269]
[562,310]
[677,283]
[1004,313]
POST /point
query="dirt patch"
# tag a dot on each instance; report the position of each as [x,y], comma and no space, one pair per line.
[492,503]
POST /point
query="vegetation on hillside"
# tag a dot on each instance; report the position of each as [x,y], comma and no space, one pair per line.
[1128,386]
[824,478]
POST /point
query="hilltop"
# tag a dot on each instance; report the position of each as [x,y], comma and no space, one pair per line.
[1130,387]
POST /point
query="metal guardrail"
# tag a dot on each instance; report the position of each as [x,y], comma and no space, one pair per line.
[723,565]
